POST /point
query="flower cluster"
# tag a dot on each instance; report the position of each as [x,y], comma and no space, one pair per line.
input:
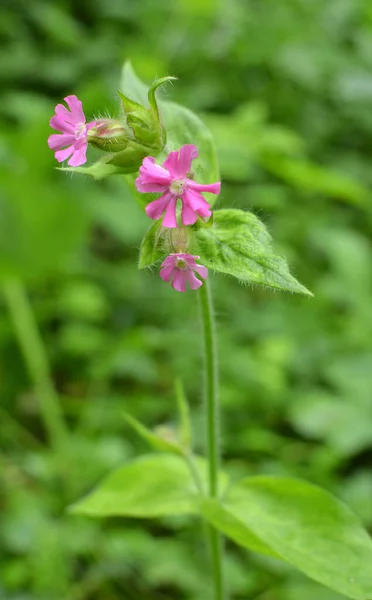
[174,180]
[181,202]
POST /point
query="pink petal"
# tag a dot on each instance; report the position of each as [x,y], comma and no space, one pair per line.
[60,124]
[194,282]
[90,125]
[146,187]
[213,188]
[179,281]
[79,157]
[61,155]
[152,177]
[196,202]
[170,261]
[155,209]
[189,216]
[167,273]
[179,163]
[187,154]
[64,114]
[171,164]
[170,218]
[57,141]
[76,108]
[201,270]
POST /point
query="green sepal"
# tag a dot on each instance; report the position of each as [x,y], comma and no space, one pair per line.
[154,246]
[152,90]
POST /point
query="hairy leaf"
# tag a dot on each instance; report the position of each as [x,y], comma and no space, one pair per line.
[239,244]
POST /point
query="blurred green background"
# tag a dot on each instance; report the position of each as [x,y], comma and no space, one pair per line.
[286,88]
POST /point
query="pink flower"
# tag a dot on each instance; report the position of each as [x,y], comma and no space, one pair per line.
[174,181]
[74,132]
[179,269]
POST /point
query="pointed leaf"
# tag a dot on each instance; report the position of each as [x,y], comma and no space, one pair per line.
[154,440]
[224,520]
[239,244]
[130,106]
[308,528]
[99,170]
[132,86]
[151,486]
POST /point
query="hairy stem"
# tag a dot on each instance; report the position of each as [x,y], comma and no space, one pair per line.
[36,361]
[212,430]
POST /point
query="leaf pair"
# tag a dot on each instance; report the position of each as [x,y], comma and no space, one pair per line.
[281,517]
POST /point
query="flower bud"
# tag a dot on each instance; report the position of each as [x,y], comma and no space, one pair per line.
[110,135]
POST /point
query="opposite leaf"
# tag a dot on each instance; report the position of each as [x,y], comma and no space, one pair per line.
[150,486]
[238,244]
[308,528]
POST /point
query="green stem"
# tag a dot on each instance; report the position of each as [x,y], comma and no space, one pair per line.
[36,361]
[212,430]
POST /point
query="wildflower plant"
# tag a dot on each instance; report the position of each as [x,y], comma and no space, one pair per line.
[154,146]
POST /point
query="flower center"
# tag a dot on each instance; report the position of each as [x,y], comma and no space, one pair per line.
[182,264]
[177,187]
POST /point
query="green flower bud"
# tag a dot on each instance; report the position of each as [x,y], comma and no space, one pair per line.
[110,135]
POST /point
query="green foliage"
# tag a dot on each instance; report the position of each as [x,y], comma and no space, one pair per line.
[238,244]
[181,125]
[155,440]
[150,486]
[153,246]
[304,525]
[295,375]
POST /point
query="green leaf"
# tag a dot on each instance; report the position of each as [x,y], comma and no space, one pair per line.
[307,527]
[152,247]
[154,440]
[132,86]
[150,486]
[99,170]
[224,520]
[239,244]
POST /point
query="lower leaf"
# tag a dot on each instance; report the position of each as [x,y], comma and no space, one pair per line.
[305,526]
[150,486]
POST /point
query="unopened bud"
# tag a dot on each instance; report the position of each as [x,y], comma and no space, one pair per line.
[110,135]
